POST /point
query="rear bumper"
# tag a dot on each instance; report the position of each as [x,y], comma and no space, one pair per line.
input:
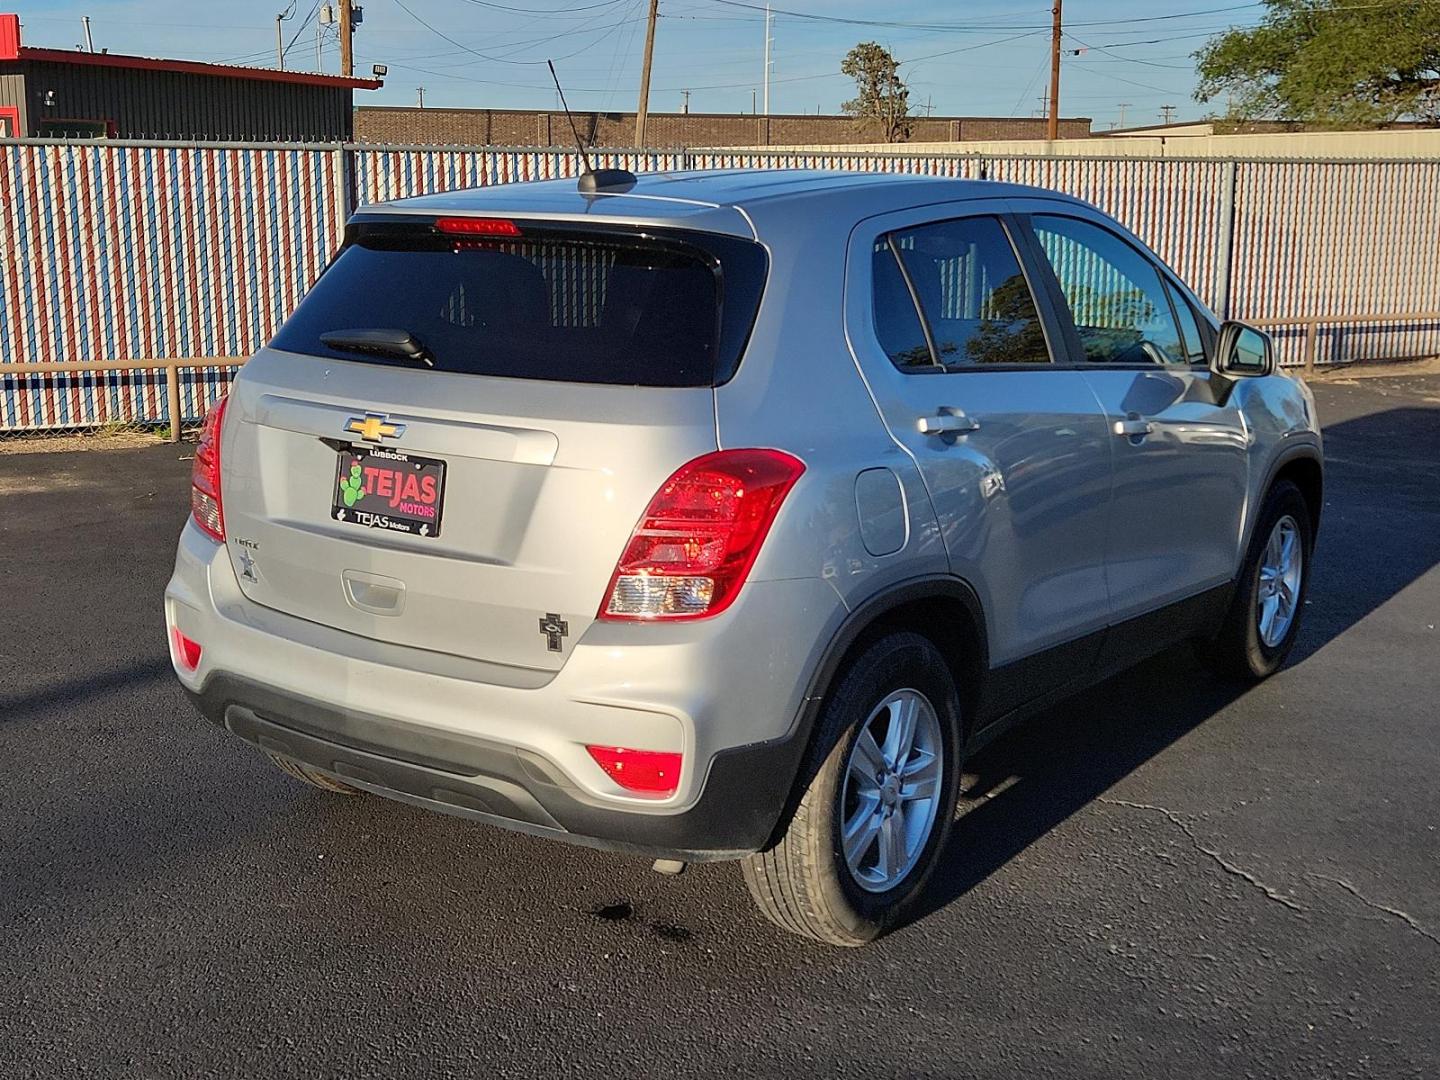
[509,746]
[506,785]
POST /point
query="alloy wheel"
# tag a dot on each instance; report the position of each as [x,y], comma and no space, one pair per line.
[891,790]
[1282,568]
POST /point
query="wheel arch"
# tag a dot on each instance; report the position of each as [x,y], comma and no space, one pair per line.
[1307,473]
[943,608]
[1303,466]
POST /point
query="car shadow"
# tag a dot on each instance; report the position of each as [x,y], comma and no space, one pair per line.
[83,689]
[1380,532]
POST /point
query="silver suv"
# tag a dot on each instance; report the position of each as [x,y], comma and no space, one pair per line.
[722,515]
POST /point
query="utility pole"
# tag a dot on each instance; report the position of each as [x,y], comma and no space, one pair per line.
[685,106]
[420,97]
[288,13]
[347,35]
[1123,106]
[89,42]
[327,16]
[1052,132]
[641,114]
[754,109]
[769,40]
[1166,112]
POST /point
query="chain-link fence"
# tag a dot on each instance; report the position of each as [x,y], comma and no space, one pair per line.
[113,253]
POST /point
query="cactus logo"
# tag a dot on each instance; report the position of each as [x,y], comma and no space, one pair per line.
[352,486]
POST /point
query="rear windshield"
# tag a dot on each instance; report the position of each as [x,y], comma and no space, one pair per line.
[590,306]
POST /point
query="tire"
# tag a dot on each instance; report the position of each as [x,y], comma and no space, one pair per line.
[806,883]
[314,777]
[1244,649]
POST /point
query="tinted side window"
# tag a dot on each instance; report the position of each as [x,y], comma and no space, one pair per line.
[972,292]
[897,323]
[1120,307]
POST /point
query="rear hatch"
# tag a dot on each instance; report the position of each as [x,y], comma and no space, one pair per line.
[448,444]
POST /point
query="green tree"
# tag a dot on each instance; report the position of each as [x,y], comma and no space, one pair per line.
[882,100]
[1331,62]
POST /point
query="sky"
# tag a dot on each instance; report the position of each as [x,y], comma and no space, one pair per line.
[1125,58]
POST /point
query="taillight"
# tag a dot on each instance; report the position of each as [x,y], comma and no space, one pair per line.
[476,226]
[694,545]
[205,503]
[185,651]
[649,772]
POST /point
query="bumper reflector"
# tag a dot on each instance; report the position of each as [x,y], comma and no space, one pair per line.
[648,772]
[185,652]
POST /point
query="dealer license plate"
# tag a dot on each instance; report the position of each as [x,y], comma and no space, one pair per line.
[388,489]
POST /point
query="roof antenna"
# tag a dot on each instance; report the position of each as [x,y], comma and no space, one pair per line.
[591,181]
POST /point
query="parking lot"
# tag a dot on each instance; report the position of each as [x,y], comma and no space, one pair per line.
[1163,877]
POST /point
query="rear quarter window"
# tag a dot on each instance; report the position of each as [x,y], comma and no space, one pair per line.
[560,305]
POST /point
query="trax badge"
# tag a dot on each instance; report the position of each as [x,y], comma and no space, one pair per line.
[373,427]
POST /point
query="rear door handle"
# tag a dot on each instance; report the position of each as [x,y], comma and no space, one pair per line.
[1132,426]
[947,422]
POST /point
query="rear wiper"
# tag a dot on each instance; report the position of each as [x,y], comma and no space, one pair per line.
[400,344]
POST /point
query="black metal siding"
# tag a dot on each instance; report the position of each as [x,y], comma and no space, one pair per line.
[146,104]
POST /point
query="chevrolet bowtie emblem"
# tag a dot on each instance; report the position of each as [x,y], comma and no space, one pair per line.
[372,427]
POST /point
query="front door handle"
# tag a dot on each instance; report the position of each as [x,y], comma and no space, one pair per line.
[947,422]
[1133,427]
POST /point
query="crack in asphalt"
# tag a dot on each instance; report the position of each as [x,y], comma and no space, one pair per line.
[1395,913]
[1178,820]
[1230,868]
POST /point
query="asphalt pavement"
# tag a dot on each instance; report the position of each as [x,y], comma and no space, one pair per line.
[1164,877]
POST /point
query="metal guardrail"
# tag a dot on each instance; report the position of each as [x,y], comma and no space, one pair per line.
[173,365]
[1313,323]
[170,365]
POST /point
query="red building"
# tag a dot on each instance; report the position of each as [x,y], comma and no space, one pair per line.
[64,93]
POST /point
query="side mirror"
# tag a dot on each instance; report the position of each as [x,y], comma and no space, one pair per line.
[1243,351]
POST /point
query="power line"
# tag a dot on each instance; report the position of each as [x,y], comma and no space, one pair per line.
[314,10]
[590,16]
[976,26]
[1132,82]
[503,60]
[262,54]
[972,48]
[545,11]
[1029,86]
[1126,59]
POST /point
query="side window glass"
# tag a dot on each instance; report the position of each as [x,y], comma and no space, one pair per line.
[897,323]
[972,293]
[1189,327]
[1117,300]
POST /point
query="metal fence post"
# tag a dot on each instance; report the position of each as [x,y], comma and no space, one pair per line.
[1224,261]
[172,395]
[345,193]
